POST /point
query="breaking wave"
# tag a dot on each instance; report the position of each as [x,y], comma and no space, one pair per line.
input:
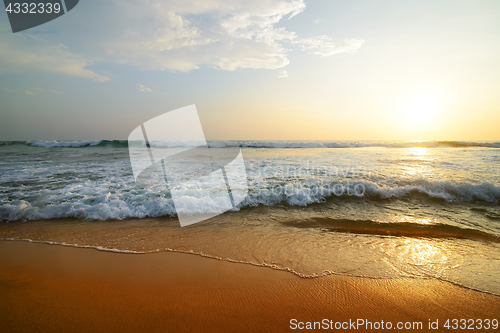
[96,202]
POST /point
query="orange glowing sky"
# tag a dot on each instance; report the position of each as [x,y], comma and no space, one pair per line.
[259,70]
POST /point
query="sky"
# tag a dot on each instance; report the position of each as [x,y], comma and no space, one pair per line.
[257,70]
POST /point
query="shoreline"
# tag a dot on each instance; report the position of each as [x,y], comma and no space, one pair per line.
[64,288]
[228,260]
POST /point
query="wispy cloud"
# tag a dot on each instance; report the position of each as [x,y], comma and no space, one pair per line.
[144,89]
[317,21]
[29,92]
[21,53]
[8,90]
[47,91]
[283,74]
[324,46]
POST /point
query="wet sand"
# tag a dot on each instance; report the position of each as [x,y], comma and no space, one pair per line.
[52,288]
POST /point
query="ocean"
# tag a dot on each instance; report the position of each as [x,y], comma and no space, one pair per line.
[384,210]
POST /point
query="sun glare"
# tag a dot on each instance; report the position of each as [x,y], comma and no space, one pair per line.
[419,109]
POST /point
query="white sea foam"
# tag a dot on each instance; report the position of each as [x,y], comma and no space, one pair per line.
[95,202]
[97,183]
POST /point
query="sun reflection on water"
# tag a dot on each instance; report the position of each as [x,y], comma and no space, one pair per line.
[423,221]
[419,151]
[418,252]
[417,157]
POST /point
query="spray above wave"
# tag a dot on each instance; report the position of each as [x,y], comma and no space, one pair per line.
[267,144]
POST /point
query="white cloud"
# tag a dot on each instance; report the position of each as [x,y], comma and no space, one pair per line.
[323,45]
[144,89]
[180,35]
[283,74]
[228,36]
[317,21]
[184,35]
[44,90]
[22,52]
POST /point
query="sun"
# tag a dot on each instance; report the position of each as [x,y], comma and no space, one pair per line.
[419,109]
[419,112]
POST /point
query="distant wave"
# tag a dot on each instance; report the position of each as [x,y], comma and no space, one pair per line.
[405,229]
[267,144]
[351,144]
[65,144]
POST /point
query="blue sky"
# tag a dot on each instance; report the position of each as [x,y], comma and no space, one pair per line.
[264,69]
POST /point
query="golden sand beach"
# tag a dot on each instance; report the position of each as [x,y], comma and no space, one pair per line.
[51,288]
